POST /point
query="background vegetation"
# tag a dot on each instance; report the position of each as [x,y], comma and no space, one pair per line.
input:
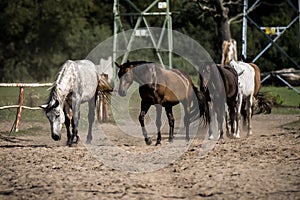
[37,36]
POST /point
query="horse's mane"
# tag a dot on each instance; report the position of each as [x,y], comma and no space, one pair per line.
[134,63]
[54,93]
[225,50]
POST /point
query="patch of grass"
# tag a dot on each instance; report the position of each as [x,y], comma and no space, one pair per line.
[289,97]
[32,98]
[286,110]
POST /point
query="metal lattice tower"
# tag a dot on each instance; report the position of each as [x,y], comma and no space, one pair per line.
[142,17]
[267,31]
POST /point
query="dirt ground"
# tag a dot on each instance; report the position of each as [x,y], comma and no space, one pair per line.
[265,165]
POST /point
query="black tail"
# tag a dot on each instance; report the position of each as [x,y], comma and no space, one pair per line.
[200,107]
[264,103]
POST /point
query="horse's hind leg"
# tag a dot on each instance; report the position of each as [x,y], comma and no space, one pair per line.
[238,116]
[249,114]
[158,123]
[91,118]
[144,109]
[171,122]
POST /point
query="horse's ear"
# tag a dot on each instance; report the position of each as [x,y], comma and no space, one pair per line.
[44,106]
[128,61]
[118,65]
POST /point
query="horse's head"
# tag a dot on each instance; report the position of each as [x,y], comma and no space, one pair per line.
[229,51]
[56,117]
[125,75]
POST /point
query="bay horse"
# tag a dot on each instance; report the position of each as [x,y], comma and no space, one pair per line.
[76,82]
[246,82]
[162,88]
[228,77]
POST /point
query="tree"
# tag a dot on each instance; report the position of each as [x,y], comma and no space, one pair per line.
[219,10]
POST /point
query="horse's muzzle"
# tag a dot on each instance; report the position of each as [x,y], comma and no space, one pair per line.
[55,137]
[122,93]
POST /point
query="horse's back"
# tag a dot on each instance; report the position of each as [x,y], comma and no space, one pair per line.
[257,79]
[176,85]
[87,80]
[230,80]
[246,78]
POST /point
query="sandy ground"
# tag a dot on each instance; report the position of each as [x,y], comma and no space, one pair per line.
[263,166]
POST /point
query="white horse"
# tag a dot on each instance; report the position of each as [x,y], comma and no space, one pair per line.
[77,82]
[246,87]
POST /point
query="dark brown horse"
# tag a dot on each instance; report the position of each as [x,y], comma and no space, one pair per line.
[228,77]
[162,88]
[230,80]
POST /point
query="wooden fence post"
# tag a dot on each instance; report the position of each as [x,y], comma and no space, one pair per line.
[16,125]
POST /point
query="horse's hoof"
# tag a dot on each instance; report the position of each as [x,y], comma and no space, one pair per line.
[236,136]
[171,140]
[148,141]
[75,139]
[187,139]
[158,143]
[211,137]
[88,141]
[229,135]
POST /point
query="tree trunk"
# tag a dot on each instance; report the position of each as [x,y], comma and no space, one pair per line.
[223,27]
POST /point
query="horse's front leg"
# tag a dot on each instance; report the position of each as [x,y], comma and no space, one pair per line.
[158,123]
[144,109]
[171,119]
[212,119]
[75,122]
[187,110]
[91,118]
[67,112]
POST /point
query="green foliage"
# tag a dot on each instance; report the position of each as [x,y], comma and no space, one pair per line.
[38,36]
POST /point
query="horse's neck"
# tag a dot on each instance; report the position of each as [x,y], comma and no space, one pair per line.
[145,74]
[236,65]
[64,84]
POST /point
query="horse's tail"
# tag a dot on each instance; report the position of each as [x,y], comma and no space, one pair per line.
[104,90]
[199,108]
[264,103]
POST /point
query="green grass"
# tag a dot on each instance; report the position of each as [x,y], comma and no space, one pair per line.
[288,96]
[33,97]
[288,99]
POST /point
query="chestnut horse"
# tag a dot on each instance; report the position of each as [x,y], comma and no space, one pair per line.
[246,82]
[257,78]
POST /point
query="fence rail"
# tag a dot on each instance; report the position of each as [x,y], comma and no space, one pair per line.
[102,106]
[16,125]
[25,84]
